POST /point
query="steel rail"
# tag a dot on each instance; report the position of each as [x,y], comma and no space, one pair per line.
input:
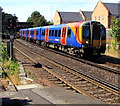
[75,73]
[116,71]
[117,88]
[108,86]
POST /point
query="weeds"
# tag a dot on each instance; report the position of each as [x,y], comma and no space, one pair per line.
[10,66]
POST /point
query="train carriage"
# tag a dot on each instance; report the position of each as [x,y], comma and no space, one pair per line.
[34,33]
[24,33]
[88,36]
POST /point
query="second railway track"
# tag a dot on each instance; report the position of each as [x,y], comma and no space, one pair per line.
[71,78]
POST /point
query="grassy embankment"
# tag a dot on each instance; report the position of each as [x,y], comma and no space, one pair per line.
[10,67]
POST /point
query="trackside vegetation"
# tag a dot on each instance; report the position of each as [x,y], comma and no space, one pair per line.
[10,67]
[115,32]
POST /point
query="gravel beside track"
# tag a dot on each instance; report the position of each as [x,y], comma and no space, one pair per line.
[95,72]
[61,59]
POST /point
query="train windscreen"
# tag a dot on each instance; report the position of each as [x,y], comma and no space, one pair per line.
[86,32]
[103,32]
[96,32]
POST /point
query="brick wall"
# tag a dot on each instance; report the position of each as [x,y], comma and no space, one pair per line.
[57,19]
[101,14]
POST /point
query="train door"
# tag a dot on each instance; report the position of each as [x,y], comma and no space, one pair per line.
[35,34]
[78,37]
[47,34]
[24,33]
[29,34]
[96,35]
[63,36]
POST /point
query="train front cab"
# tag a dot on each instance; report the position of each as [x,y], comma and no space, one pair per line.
[94,38]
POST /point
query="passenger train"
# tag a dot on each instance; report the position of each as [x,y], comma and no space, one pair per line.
[87,38]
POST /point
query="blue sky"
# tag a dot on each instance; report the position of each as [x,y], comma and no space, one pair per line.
[47,8]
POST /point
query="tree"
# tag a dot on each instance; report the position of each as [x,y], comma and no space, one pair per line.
[115,31]
[37,19]
[5,18]
[115,28]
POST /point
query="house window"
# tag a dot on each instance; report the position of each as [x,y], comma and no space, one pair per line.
[102,17]
[95,18]
[98,17]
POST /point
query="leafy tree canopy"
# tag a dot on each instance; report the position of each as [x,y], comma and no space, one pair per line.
[5,17]
[115,28]
[37,19]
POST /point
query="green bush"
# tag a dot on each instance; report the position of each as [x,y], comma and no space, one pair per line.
[10,66]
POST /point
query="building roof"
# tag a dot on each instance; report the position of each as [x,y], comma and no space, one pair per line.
[87,14]
[70,16]
[113,8]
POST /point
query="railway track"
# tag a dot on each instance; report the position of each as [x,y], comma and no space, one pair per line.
[106,66]
[98,71]
[72,79]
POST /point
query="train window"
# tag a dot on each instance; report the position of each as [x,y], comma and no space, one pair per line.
[32,33]
[36,32]
[59,33]
[86,32]
[49,32]
[52,32]
[69,33]
[76,30]
[103,31]
[55,33]
[43,32]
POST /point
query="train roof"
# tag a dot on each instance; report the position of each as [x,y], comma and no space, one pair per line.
[23,29]
[61,25]
[34,28]
[52,26]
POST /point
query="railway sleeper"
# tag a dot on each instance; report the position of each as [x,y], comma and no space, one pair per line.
[109,99]
[53,79]
[58,82]
[87,84]
[68,87]
[111,96]
[90,88]
[96,92]
[83,81]
[73,80]
[62,84]
[103,95]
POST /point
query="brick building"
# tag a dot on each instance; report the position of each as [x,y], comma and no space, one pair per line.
[67,17]
[103,12]
[86,15]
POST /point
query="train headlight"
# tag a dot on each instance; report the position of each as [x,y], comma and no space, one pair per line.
[87,42]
